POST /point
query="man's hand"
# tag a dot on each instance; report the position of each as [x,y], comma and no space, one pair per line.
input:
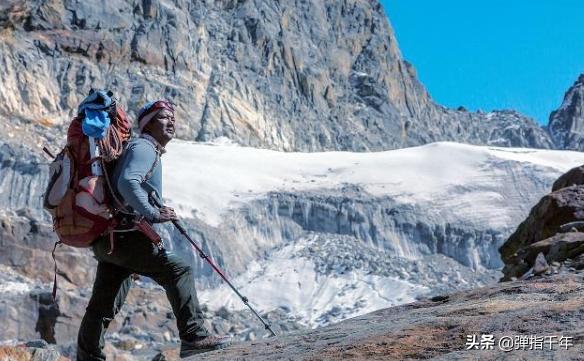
[167,214]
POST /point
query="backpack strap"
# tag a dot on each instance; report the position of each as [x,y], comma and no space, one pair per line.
[121,207]
[149,174]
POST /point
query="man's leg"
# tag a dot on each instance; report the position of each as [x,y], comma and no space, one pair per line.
[135,252]
[110,289]
[178,281]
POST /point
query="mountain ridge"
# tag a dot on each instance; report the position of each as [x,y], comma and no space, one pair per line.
[286,75]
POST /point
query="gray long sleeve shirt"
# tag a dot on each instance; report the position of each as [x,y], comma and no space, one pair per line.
[137,174]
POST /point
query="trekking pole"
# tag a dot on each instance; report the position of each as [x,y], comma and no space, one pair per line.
[46,150]
[208,259]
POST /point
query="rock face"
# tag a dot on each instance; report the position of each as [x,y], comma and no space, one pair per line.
[566,124]
[444,328]
[544,229]
[287,75]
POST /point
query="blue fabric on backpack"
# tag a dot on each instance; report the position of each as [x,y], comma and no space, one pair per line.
[95,123]
[96,120]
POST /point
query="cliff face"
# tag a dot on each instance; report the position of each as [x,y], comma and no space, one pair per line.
[287,75]
[566,125]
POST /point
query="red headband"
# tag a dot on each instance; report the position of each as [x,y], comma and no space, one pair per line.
[149,110]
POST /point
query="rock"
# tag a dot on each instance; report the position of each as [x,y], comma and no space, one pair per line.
[167,336]
[540,265]
[430,330]
[545,219]
[167,355]
[574,176]
[223,313]
[29,354]
[566,124]
[553,228]
[37,344]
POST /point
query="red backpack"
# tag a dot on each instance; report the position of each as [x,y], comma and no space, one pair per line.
[77,199]
[77,196]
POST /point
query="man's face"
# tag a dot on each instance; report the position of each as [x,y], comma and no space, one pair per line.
[161,127]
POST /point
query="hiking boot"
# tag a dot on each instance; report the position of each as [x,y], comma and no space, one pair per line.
[203,344]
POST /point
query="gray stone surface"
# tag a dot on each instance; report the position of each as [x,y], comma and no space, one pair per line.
[566,124]
[439,328]
[544,221]
[287,75]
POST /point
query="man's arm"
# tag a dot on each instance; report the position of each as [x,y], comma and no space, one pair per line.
[139,161]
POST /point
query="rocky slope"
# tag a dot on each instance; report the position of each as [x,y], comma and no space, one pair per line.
[566,124]
[545,308]
[287,75]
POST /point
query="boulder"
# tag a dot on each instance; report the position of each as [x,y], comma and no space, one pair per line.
[545,219]
[574,176]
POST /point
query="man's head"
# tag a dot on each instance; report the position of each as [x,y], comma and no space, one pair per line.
[157,119]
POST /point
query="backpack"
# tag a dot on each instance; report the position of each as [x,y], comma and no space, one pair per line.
[77,195]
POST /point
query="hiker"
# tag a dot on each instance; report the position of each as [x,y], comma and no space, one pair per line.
[127,251]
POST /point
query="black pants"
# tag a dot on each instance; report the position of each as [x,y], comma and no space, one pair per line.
[134,253]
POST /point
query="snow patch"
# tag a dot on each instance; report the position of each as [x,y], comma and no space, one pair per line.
[209,180]
[286,281]
[15,287]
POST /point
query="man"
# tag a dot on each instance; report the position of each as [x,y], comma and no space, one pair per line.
[137,174]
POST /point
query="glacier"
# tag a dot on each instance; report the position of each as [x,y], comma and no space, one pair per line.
[326,236]
[388,227]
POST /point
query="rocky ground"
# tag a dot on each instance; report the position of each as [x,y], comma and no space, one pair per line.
[144,327]
[438,328]
[547,308]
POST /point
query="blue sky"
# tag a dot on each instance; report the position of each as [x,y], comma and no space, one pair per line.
[495,54]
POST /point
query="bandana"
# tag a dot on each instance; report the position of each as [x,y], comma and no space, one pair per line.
[149,111]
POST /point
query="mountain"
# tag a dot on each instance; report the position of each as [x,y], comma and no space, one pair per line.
[310,238]
[566,124]
[345,232]
[286,75]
